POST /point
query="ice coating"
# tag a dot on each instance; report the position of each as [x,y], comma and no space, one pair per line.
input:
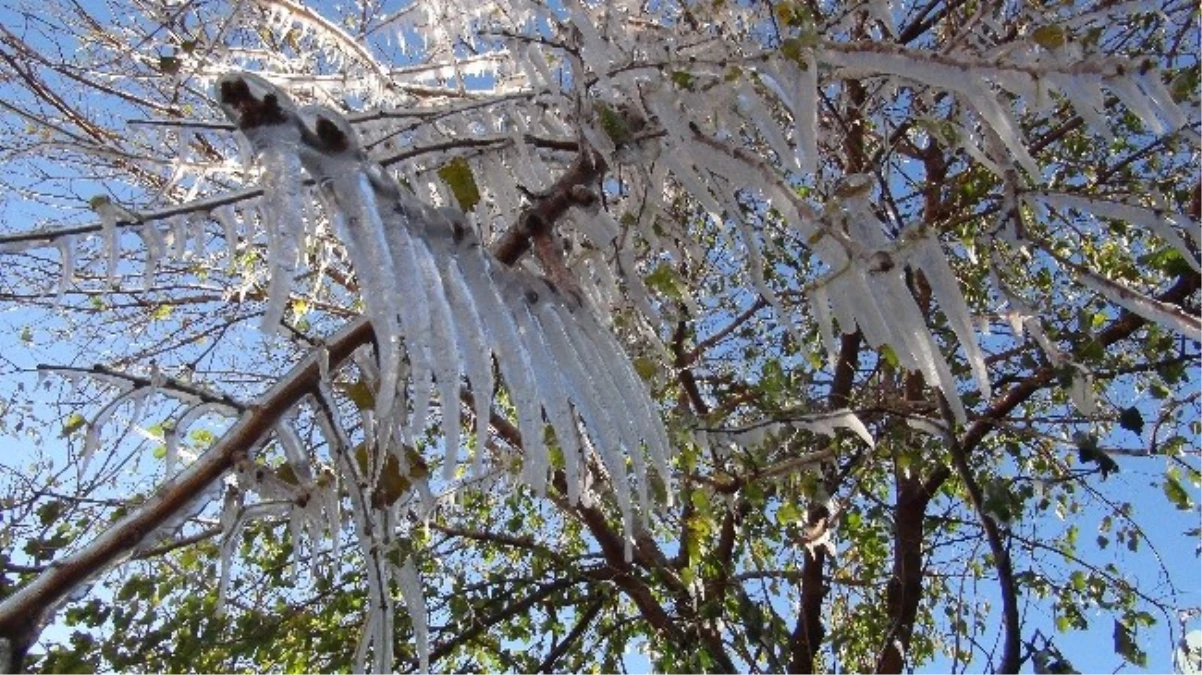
[442,309]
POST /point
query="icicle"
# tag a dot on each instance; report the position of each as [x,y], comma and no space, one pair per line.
[820,303]
[475,351]
[910,331]
[171,440]
[807,115]
[1081,391]
[92,439]
[929,256]
[231,526]
[283,217]
[445,352]
[1160,96]
[986,104]
[229,228]
[414,314]
[1136,102]
[1166,316]
[1087,100]
[620,396]
[860,296]
[295,534]
[413,595]
[848,420]
[561,376]
[636,288]
[184,422]
[179,236]
[1157,221]
[350,203]
[580,377]
[152,241]
[759,114]
[546,380]
[651,429]
[108,233]
[512,356]
[66,251]
[294,451]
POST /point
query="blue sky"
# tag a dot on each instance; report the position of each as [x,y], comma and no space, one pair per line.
[1090,651]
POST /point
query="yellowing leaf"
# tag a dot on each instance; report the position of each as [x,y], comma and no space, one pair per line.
[645,367]
[360,394]
[457,174]
[1050,37]
[286,474]
[394,483]
[74,423]
[1176,494]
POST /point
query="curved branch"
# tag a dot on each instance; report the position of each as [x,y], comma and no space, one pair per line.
[1012,640]
[23,613]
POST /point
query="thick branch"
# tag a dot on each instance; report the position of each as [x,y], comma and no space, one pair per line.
[23,614]
[904,590]
[565,194]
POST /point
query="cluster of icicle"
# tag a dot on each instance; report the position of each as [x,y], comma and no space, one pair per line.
[442,305]
[442,309]
[731,89]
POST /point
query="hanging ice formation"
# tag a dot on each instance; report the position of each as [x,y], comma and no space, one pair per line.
[436,297]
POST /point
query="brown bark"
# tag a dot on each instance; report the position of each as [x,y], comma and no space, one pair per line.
[23,614]
[904,590]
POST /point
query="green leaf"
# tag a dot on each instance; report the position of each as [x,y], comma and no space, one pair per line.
[890,357]
[1168,260]
[1184,85]
[49,512]
[169,64]
[683,79]
[457,174]
[664,279]
[1176,493]
[1132,420]
[1124,645]
[787,513]
[613,124]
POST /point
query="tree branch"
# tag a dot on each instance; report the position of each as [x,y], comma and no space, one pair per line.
[23,613]
[1012,639]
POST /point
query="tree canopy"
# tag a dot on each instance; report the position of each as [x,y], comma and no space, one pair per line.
[691,336]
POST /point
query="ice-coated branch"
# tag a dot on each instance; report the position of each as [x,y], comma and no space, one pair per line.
[484,309]
[23,614]
[185,389]
[435,294]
